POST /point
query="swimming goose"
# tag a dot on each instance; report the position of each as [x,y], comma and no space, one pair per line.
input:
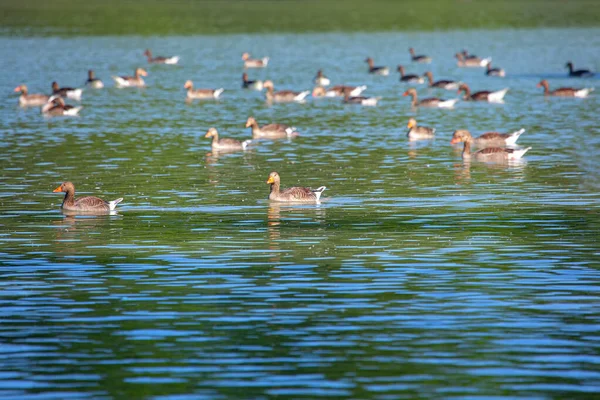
[494,154]
[579,73]
[248,84]
[363,101]
[293,194]
[494,71]
[410,78]
[84,204]
[56,107]
[338,91]
[471,62]
[493,139]
[416,132]
[467,55]
[70,93]
[254,63]
[321,80]
[93,82]
[283,96]
[429,102]
[442,84]
[160,60]
[30,100]
[131,81]
[225,143]
[419,58]
[270,131]
[564,91]
[384,71]
[201,93]
[484,95]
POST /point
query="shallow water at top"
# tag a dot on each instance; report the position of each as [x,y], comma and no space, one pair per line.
[419,276]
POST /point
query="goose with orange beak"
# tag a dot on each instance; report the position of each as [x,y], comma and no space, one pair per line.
[131,81]
[87,204]
[293,194]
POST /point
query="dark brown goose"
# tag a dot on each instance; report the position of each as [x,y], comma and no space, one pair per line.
[429,102]
[494,71]
[484,95]
[564,91]
[385,71]
[409,78]
[56,107]
[67,92]
[248,84]
[493,154]
[84,204]
[419,58]
[159,59]
[93,82]
[293,194]
[442,84]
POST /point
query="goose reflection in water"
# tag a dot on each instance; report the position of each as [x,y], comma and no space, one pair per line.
[79,231]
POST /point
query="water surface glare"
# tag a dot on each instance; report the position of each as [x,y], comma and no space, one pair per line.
[419,276]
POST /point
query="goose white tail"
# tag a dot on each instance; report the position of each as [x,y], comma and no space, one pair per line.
[512,139]
[370,101]
[217,93]
[291,131]
[583,92]
[120,82]
[73,111]
[486,61]
[113,204]
[245,144]
[301,96]
[319,191]
[265,61]
[497,96]
[517,154]
[75,94]
[358,90]
[172,60]
[447,103]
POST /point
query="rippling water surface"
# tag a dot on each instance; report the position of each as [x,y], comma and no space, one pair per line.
[420,276]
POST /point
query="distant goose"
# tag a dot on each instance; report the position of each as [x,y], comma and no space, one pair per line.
[93,82]
[338,91]
[410,78]
[416,132]
[90,204]
[564,91]
[384,71]
[70,93]
[30,100]
[442,84]
[131,81]
[293,194]
[494,71]
[494,139]
[579,73]
[484,95]
[429,102]
[363,101]
[283,96]
[321,80]
[468,56]
[471,62]
[419,58]
[201,94]
[248,84]
[225,143]
[254,63]
[493,154]
[159,59]
[56,107]
[270,131]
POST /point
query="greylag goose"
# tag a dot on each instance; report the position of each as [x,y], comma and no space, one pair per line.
[494,154]
[467,56]
[419,58]
[248,84]
[363,101]
[471,62]
[385,71]
[225,143]
[84,204]
[293,194]
[283,96]
[270,131]
[494,71]
[56,107]
[69,93]
[131,81]
[579,73]
[410,78]
[201,93]
[484,95]
[564,91]
[321,80]
[93,82]
[493,139]
[159,59]
[429,102]
[30,100]
[338,91]
[442,84]
[254,63]
[416,132]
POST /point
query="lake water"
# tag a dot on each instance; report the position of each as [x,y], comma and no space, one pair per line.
[420,276]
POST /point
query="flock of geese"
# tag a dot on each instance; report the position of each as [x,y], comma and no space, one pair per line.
[494,146]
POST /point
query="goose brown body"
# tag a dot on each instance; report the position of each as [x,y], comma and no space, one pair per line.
[428,102]
[492,139]
[494,154]
[56,107]
[338,91]
[253,62]
[283,96]
[483,95]
[416,132]
[30,100]
[419,58]
[563,91]
[201,93]
[442,84]
[270,131]
[225,143]
[84,204]
[410,78]
[292,194]
[131,81]
[376,70]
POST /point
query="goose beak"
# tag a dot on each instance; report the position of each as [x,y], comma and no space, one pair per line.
[270,180]
[454,141]
[57,190]
[18,89]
